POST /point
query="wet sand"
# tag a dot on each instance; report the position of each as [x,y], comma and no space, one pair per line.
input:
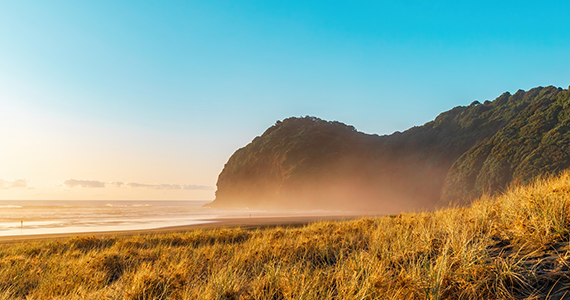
[245,222]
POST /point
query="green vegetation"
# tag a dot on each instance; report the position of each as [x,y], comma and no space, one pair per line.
[511,246]
[290,159]
[464,153]
[536,142]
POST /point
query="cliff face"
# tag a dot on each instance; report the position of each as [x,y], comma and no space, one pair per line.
[290,162]
[302,163]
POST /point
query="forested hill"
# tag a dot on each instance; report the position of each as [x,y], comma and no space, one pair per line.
[302,163]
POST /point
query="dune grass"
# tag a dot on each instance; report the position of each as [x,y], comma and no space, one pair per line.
[512,246]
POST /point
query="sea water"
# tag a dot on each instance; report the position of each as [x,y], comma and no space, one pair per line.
[55,216]
[28,217]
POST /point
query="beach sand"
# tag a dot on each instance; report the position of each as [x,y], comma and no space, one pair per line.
[245,222]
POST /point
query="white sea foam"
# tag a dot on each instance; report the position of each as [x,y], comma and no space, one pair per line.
[115,205]
[10,206]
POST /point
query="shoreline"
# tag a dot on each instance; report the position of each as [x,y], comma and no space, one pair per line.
[242,222]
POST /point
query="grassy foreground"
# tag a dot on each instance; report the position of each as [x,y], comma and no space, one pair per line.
[510,246]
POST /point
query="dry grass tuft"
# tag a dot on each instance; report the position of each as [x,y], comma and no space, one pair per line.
[512,246]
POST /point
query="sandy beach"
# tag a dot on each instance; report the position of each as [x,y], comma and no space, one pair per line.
[245,222]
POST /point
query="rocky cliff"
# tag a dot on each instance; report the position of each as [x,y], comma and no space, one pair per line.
[307,163]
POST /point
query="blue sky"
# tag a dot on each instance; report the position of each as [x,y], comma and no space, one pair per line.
[164,92]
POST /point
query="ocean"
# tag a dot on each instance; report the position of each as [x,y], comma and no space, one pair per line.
[55,216]
[58,216]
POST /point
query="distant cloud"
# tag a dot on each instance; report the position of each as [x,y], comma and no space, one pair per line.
[71,183]
[163,186]
[197,187]
[116,183]
[119,184]
[167,186]
[18,183]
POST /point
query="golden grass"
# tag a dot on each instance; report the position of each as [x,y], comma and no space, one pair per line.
[510,246]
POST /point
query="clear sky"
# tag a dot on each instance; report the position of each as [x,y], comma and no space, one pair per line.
[148,99]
